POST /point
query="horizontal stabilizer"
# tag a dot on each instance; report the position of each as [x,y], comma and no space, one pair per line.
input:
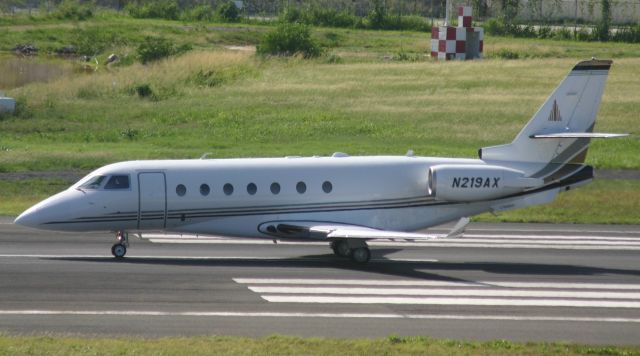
[580,135]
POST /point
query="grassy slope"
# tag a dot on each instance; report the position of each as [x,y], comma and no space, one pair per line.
[293,107]
[367,104]
[285,345]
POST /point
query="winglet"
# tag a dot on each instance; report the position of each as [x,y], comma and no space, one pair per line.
[458,229]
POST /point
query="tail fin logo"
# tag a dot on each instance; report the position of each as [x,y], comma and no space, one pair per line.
[554,115]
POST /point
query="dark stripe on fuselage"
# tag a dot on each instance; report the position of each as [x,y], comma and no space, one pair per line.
[228,212]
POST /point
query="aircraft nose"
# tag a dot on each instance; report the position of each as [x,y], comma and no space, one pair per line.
[29,218]
[42,214]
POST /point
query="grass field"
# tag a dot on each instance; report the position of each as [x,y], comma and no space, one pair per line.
[358,98]
[286,345]
[231,104]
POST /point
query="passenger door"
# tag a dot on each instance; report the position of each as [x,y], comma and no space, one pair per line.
[152,200]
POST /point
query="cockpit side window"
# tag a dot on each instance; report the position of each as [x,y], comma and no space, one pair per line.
[117,182]
[93,183]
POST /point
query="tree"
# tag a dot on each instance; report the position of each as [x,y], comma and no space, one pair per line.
[602,28]
[9,6]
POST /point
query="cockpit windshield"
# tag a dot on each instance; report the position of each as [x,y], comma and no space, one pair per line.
[117,182]
[93,182]
[110,182]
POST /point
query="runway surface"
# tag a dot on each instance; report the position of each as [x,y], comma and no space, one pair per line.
[500,281]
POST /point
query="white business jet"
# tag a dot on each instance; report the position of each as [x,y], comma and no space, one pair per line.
[339,199]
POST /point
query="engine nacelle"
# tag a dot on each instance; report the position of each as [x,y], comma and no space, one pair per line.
[465,183]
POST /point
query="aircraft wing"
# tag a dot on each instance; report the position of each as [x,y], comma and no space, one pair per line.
[580,135]
[323,230]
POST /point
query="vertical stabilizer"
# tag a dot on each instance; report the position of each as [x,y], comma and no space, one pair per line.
[557,136]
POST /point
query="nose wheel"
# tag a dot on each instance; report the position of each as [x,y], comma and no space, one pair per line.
[119,249]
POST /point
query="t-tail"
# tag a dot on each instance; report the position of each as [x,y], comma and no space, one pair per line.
[553,145]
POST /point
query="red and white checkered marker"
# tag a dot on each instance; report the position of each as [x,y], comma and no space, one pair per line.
[464,16]
[448,42]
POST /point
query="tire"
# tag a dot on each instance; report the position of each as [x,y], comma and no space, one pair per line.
[342,249]
[118,250]
[361,255]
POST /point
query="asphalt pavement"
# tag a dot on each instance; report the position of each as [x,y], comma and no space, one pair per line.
[524,282]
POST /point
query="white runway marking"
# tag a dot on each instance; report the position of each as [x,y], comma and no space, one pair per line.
[611,241]
[133,313]
[453,301]
[448,292]
[382,282]
[480,293]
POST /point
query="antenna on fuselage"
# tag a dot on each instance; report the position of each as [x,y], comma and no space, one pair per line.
[204,156]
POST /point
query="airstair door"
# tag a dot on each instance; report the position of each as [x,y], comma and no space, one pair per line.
[152,200]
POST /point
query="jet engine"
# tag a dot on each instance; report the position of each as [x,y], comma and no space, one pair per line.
[466,183]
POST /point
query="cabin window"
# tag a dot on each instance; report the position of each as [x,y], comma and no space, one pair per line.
[228,189]
[181,190]
[117,182]
[93,183]
[204,189]
[252,188]
[327,187]
[301,187]
[275,188]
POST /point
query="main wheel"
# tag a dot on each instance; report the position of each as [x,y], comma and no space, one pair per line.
[118,250]
[341,248]
[333,245]
[361,255]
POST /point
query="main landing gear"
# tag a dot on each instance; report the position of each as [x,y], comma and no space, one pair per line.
[119,249]
[357,250]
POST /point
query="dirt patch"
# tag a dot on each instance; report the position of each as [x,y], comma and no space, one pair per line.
[242,48]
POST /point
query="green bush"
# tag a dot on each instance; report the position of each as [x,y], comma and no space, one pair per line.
[545,32]
[563,34]
[494,27]
[318,16]
[155,48]
[73,10]
[409,23]
[292,14]
[377,19]
[288,39]
[163,9]
[377,16]
[330,18]
[584,35]
[601,32]
[629,34]
[199,13]
[228,12]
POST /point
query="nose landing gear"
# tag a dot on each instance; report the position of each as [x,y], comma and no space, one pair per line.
[119,249]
